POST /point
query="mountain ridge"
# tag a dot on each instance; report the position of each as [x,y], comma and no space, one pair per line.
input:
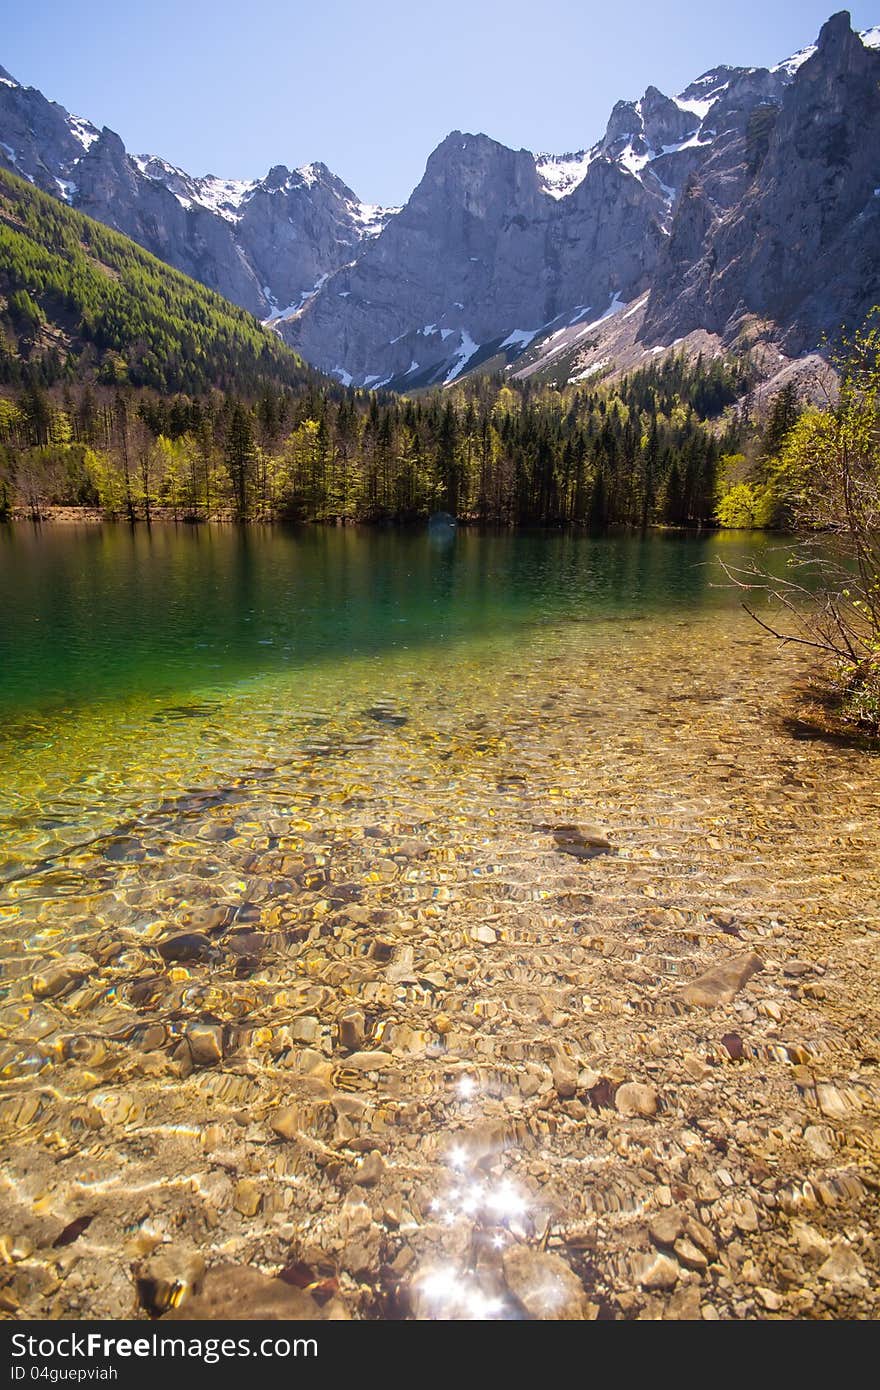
[604,243]
[497,251]
[262,243]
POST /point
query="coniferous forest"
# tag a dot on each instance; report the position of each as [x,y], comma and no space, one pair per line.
[82,301]
[513,456]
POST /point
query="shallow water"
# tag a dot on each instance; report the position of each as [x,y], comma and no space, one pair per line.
[341,766]
[133,663]
[99,612]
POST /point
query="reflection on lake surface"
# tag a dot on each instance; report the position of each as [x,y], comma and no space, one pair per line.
[104,610]
[351,886]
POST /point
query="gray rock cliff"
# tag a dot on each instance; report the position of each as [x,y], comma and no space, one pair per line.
[798,246]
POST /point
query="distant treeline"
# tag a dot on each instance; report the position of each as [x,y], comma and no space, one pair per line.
[654,447]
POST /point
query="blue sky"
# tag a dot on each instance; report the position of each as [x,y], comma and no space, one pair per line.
[371,86]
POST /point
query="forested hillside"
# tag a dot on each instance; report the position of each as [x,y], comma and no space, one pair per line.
[79,301]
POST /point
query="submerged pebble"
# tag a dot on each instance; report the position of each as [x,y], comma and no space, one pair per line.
[187,946]
[512,1023]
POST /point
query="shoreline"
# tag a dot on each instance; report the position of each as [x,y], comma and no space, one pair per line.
[166,516]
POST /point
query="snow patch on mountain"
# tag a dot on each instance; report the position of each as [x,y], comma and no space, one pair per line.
[710,85]
[591,370]
[693,142]
[634,161]
[571,335]
[11,155]
[83,131]
[371,218]
[466,351]
[520,338]
[700,109]
[613,308]
[309,173]
[224,196]
[560,174]
[177,181]
[631,312]
[797,60]
[290,312]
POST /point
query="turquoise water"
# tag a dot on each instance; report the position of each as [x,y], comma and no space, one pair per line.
[101,612]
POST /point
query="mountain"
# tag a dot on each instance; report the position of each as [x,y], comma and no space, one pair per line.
[518,245]
[741,210]
[479,260]
[266,244]
[799,249]
[80,300]
[774,238]
[746,202]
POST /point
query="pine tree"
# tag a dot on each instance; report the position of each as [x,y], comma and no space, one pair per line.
[597,516]
[122,428]
[783,416]
[650,458]
[673,504]
[239,457]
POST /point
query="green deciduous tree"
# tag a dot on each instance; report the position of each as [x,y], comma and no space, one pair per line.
[830,474]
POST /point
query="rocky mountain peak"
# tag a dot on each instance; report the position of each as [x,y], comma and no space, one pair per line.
[463,153]
[497,248]
[320,173]
[796,250]
[265,244]
[465,176]
[748,197]
[108,144]
[836,33]
[710,84]
[624,121]
[840,51]
[666,121]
